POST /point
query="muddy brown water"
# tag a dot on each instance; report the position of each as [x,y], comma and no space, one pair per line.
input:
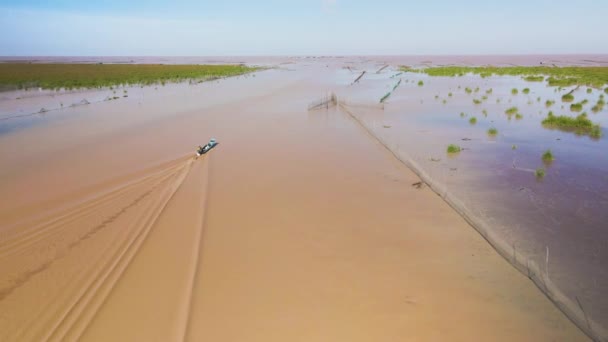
[299,225]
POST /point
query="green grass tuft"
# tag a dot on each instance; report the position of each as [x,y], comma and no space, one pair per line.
[549,103]
[580,125]
[468,90]
[548,157]
[576,107]
[420,83]
[518,116]
[514,91]
[589,90]
[526,91]
[476,101]
[454,148]
[540,173]
[492,131]
[473,120]
[511,111]
[568,98]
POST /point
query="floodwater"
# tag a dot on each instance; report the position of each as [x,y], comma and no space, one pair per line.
[299,223]
[559,222]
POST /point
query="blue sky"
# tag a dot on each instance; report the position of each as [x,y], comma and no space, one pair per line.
[300,27]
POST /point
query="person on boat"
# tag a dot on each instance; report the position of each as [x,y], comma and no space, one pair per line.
[204,149]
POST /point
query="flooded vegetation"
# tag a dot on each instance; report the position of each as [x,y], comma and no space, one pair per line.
[535,165]
[75,76]
[580,125]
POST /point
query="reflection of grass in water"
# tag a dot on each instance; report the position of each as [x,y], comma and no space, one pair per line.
[436,97]
[454,148]
[540,173]
[568,98]
[484,112]
[473,120]
[514,91]
[462,114]
[511,111]
[476,101]
[477,89]
[548,157]
[492,131]
[444,101]
[538,99]
[526,91]
[558,76]
[514,147]
[580,125]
